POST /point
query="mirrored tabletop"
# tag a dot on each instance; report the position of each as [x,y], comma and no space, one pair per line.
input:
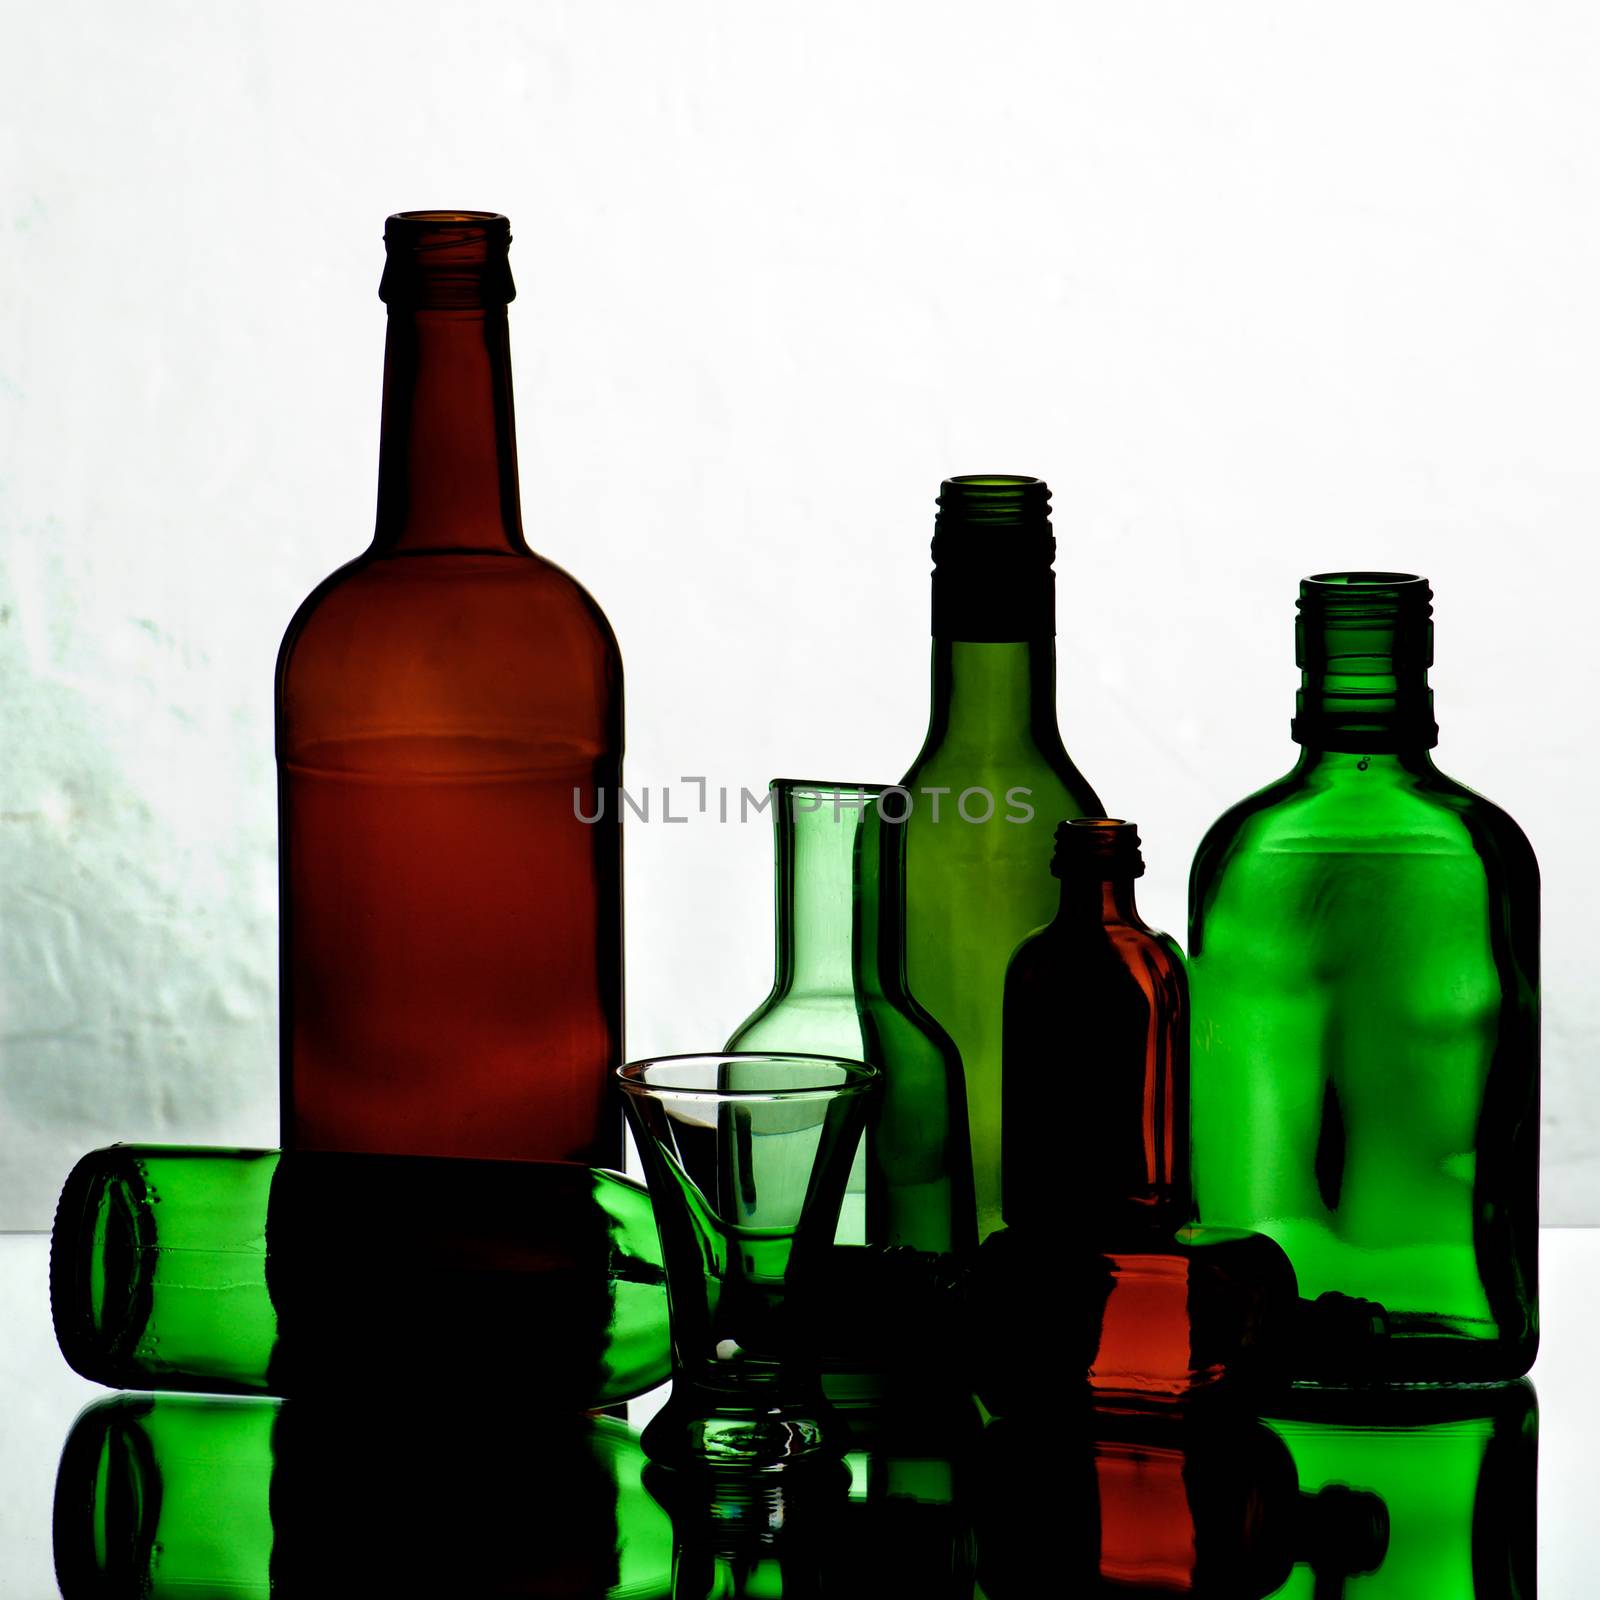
[1427,1494]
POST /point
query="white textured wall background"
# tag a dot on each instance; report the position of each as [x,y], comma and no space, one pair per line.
[1261,288]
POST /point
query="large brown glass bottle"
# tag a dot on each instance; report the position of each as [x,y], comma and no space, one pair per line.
[449,714]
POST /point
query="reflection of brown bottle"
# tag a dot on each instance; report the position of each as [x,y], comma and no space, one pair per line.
[449,709]
[1198,1500]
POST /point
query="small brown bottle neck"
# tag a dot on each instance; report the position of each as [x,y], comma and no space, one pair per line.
[447,463]
[1093,903]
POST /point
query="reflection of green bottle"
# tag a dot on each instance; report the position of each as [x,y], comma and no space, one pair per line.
[990,785]
[1364,982]
[179,1496]
[230,1270]
[840,989]
[1457,1470]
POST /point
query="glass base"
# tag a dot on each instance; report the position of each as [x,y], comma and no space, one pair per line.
[706,1432]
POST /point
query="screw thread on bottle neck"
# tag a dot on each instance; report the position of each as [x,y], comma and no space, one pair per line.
[993,559]
[1364,643]
[446,261]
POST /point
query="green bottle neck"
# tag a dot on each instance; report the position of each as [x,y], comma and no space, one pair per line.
[1364,643]
[818,834]
[992,698]
[839,890]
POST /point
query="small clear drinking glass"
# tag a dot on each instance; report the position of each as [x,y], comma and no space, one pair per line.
[747,1156]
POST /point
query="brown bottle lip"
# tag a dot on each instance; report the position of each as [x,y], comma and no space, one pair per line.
[447,260]
[449,216]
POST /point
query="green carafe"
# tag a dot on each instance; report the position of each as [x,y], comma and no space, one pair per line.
[990,785]
[840,989]
[1363,966]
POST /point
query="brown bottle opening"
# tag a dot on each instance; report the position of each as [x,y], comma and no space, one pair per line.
[447,261]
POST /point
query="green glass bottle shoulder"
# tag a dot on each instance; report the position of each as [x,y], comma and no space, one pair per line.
[1364,980]
[1350,804]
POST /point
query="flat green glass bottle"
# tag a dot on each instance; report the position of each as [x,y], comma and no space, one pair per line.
[1363,962]
[840,989]
[415,1491]
[990,784]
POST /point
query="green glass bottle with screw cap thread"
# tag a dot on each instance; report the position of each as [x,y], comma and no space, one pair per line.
[1363,963]
[990,784]
[840,989]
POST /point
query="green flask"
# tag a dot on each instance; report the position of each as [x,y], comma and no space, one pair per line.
[991,783]
[1363,966]
[234,1271]
[414,1491]
[840,989]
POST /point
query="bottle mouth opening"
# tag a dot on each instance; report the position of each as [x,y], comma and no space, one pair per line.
[981,502]
[451,218]
[994,498]
[1097,847]
[97,1255]
[1366,593]
[1365,580]
[993,480]
[447,260]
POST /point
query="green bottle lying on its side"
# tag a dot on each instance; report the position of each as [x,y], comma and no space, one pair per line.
[296,1272]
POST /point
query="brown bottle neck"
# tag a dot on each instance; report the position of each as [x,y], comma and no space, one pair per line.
[1092,903]
[447,463]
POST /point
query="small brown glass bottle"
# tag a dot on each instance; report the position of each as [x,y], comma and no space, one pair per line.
[1096,1070]
[1095,1156]
[449,726]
